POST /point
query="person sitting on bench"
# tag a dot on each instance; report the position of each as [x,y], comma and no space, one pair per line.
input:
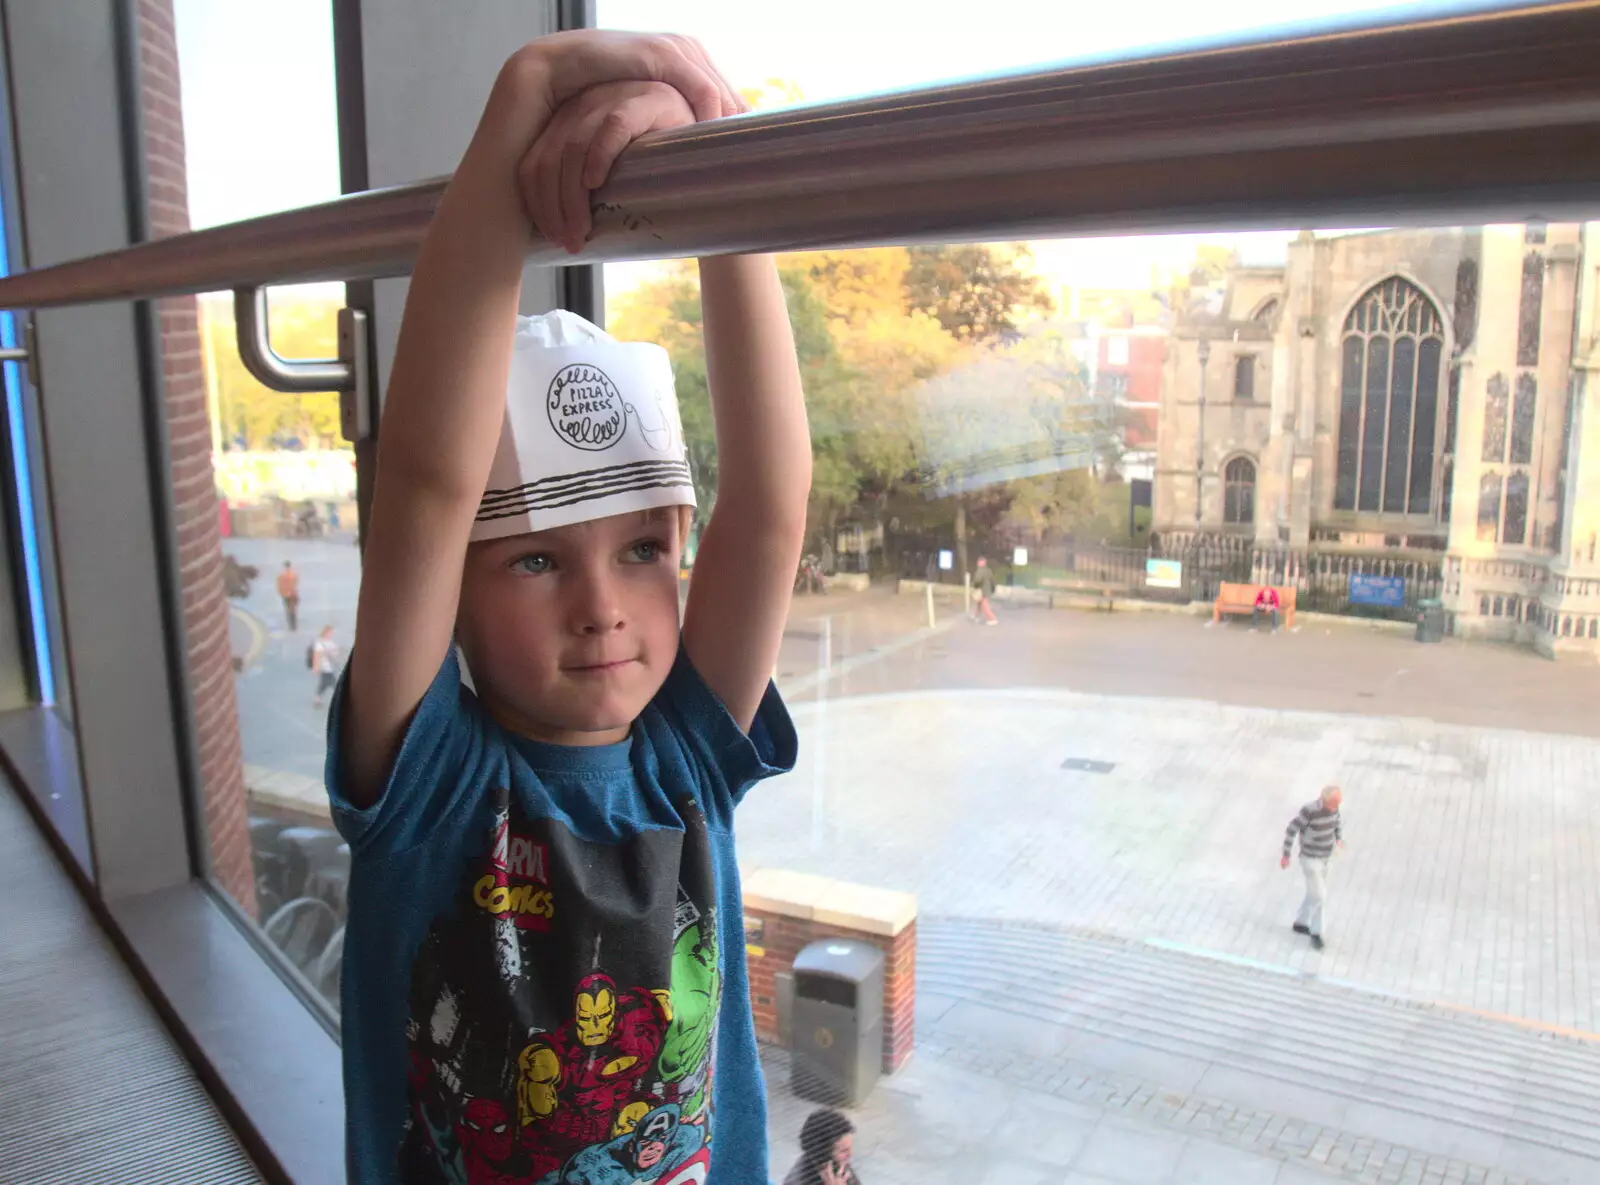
[1266,602]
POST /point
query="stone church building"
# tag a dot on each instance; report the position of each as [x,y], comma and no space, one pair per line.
[1420,395]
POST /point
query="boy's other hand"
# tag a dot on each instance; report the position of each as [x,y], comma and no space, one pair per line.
[574,153]
[563,64]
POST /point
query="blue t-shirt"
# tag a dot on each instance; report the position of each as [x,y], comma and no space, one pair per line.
[544,974]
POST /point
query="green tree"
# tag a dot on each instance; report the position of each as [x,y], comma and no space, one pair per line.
[978,292]
[859,350]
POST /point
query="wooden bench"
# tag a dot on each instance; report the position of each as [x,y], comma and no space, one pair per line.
[1103,593]
[1241,598]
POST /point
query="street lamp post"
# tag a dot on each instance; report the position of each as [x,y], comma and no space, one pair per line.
[1204,354]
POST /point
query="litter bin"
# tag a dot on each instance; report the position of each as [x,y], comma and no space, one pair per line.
[837,1021]
[1430,621]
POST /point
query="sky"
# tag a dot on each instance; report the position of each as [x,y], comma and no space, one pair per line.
[258,85]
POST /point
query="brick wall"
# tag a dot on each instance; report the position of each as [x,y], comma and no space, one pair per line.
[785,931]
[205,605]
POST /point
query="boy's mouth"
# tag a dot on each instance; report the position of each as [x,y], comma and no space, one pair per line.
[600,668]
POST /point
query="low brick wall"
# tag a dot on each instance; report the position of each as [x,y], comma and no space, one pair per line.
[787,911]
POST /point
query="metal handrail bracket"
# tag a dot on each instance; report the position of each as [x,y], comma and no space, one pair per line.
[275,372]
[350,374]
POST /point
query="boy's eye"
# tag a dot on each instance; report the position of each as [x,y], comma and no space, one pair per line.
[532,564]
[645,552]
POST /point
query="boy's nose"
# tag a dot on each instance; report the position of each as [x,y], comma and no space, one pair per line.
[596,607]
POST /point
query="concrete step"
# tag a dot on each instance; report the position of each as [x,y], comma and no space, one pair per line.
[1311,1040]
[1215,990]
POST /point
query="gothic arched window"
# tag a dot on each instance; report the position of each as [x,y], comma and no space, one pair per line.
[1389,401]
[1239,491]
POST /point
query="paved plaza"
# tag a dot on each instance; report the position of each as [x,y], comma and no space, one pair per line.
[1469,877]
[1089,808]
[1108,986]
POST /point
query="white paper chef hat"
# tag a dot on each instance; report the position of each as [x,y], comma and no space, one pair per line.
[591,429]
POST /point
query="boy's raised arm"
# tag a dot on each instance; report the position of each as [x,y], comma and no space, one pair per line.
[744,572]
[446,394]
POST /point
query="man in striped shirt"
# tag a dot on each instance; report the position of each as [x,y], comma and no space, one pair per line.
[1318,826]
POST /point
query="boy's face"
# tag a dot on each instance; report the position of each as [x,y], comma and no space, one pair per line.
[568,633]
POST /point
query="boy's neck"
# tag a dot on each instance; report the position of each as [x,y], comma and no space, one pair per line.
[546,734]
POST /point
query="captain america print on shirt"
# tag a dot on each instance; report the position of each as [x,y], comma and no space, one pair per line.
[563,1013]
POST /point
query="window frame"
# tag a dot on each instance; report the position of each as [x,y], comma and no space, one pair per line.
[270,1065]
[1360,445]
[1245,365]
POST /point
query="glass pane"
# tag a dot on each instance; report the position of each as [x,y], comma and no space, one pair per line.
[1372,422]
[1084,806]
[286,491]
[39,604]
[231,58]
[1516,508]
[1495,411]
[1522,419]
[1352,370]
[268,470]
[1423,427]
[1489,507]
[1401,405]
[1051,792]
[1531,315]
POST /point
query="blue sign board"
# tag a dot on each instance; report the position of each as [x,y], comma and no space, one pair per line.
[1389,591]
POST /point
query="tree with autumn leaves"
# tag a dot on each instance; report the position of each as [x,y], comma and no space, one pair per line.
[249,415]
[918,363]
[872,328]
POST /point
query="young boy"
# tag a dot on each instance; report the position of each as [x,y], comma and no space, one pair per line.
[544,976]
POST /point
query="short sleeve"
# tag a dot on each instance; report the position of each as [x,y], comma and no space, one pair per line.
[442,757]
[735,759]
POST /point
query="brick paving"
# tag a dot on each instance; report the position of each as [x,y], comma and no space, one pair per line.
[1469,877]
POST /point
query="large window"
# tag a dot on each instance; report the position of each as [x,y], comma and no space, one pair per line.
[1062,834]
[1084,808]
[1388,409]
[282,525]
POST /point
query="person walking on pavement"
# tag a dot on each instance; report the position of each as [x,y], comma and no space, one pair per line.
[983,585]
[324,662]
[1320,830]
[289,591]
